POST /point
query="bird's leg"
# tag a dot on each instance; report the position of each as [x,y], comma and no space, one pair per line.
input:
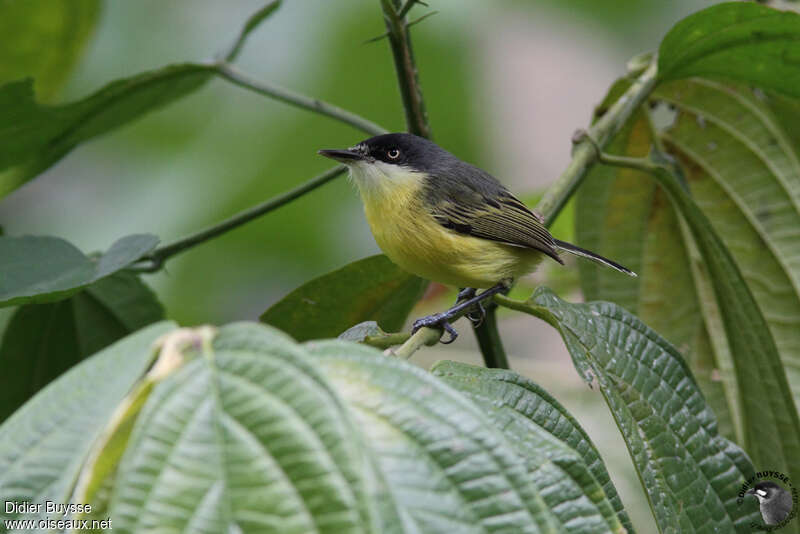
[475,316]
[442,320]
[465,293]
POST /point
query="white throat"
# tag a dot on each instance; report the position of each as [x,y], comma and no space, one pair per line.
[377,178]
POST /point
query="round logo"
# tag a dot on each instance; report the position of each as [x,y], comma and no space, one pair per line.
[777,499]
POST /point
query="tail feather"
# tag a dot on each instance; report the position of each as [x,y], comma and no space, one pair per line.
[578,251]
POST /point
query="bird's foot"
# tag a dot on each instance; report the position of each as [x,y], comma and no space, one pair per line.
[469,303]
[477,315]
[465,294]
[440,321]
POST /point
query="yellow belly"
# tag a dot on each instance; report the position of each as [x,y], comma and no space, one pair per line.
[412,239]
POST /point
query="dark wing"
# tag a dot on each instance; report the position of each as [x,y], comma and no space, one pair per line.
[489,211]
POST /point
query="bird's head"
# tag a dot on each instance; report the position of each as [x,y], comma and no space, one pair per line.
[390,159]
[764,491]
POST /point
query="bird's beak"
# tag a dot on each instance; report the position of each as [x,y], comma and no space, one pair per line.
[345,156]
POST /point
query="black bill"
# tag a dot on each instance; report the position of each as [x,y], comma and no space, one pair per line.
[345,156]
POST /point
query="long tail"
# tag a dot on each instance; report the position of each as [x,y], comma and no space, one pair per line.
[578,251]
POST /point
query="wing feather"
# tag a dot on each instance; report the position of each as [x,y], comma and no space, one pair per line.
[498,216]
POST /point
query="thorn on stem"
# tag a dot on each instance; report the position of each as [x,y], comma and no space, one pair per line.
[375,39]
[420,19]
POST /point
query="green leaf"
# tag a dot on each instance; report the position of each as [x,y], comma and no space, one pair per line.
[244,437]
[37,269]
[370,289]
[744,174]
[740,41]
[561,457]
[742,171]
[43,39]
[44,340]
[691,474]
[765,400]
[34,136]
[361,331]
[623,214]
[738,150]
[448,468]
[44,443]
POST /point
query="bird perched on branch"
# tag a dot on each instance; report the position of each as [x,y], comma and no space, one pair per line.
[445,220]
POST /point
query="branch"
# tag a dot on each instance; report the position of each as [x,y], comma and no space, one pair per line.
[252,23]
[584,154]
[423,336]
[525,307]
[407,77]
[407,7]
[417,123]
[233,75]
[489,341]
[161,254]
[386,340]
[155,260]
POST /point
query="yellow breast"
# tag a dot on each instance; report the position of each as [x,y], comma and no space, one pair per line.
[410,236]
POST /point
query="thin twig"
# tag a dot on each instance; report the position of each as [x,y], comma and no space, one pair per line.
[157,258]
[584,154]
[386,340]
[408,25]
[525,307]
[407,77]
[252,23]
[489,340]
[407,7]
[420,19]
[234,75]
[422,337]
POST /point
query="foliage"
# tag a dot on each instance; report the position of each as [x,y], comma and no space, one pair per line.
[242,428]
[374,288]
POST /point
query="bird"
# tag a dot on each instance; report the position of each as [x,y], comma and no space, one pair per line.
[774,501]
[445,220]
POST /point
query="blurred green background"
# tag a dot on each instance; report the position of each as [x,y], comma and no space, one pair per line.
[505,82]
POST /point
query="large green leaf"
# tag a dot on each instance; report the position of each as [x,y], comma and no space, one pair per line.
[448,468]
[622,214]
[744,174]
[561,458]
[34,136]
[691,474]
[742,170]
[765,400]
[44,340]
[43,39]
[36,269]
[738,41]
[372,289]
[245,437]
[43,445]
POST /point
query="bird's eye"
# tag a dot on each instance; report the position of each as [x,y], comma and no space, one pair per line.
[393,153]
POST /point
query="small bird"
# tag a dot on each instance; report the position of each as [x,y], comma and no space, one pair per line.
[774,501]
[443,219]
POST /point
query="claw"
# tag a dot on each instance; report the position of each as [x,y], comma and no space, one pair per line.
[450,330]
[437,320]
[465,294]
[477,315]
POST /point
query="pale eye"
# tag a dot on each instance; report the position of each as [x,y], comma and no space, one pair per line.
[393,153]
